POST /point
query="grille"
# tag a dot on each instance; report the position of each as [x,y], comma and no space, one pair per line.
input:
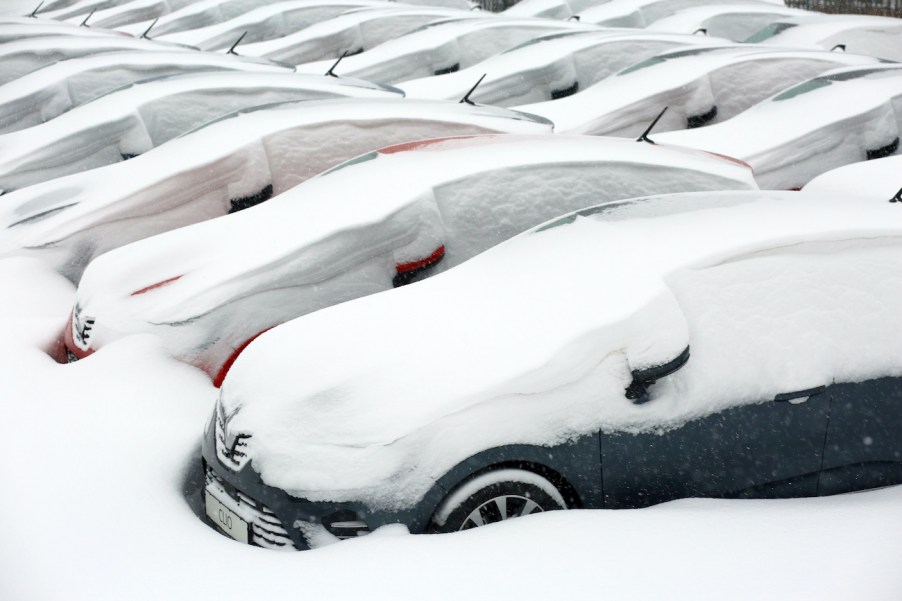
[266,528]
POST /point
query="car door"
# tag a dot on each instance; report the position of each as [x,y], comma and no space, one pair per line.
[864,439]
[769,449]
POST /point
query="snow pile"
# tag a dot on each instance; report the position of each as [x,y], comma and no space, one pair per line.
[442,47]
[352,32]
[55,89]
[313,392]
[550,66]
[131,121]
[836,119]
[225,166]
[341,235]
[733,21]
[880,179]
[698,86]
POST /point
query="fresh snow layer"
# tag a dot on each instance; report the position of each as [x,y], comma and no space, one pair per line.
[642,13]
[43,94]
[699,86]
[442,46]
[12,31]
[352,32]
[340,236]
[136,11]
[824,123]
[874,36]
[138,117]
[550,9]
[550,66]
[219,167]
[345,405]
[733,21]
[880,179]
[31,53]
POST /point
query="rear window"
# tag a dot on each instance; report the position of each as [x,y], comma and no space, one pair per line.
[769,32]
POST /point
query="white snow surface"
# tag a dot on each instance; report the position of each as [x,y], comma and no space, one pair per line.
[690,83]
[43,94]
[353,31]
[442,45]
[343,404]
[550,9]
[529,73]
[875,36]
[136,11]
[733,21]
[642,13]
[879,179]
[20,29]
[70,220]
[824,123]
[141,116]
[339,236]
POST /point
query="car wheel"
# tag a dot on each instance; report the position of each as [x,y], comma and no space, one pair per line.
[496,496]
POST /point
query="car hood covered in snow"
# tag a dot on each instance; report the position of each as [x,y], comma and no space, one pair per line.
[533,342]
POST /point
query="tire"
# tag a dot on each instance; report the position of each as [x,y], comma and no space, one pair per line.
[495,496]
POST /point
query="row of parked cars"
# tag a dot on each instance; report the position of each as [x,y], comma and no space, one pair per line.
[451,267]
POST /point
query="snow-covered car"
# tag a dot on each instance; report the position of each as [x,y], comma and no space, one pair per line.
[642,13]
[31,53]
[732,21]
[363,227]
[550,67]
[11,31]
[136,11]
[700,86]
[352,32]
[550,9]
[691,345]
[842,117]
[131,121]
[442,47]
[266,22]
[225,166]
[43,94]
[877,179]
[874,36]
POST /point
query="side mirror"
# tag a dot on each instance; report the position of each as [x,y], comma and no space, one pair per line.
[637,391]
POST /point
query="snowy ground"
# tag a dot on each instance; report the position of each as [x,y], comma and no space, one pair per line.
[94,458]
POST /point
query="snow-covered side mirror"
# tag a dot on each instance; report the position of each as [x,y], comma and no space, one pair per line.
[637,391]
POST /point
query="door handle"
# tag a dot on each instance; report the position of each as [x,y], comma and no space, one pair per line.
[799,396]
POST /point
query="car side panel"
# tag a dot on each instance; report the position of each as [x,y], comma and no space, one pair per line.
[767,450]
[864,438]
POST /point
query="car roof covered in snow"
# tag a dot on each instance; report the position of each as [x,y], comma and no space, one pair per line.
[825,122]
[863,34]
[733,21]
[20,29]
[624,104]
[193,177]
[878,179]
[533,342]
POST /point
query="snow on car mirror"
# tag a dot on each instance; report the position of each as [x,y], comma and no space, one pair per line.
[637,391]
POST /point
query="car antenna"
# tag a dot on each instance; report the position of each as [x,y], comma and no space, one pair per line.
[838,48]
[573,18]
[238,41]
[143,36]
[700,30]
[466,98]
[85,22]
[331,71]
[34,13]
[897,197]
[644,137]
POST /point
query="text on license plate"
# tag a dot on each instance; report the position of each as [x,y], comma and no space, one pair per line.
[227,520]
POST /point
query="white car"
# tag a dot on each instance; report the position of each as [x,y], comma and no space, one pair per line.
[732,21]
[880,179]
[550,9]
[694,345]
[352,32]
[136,11]
[700,86]
[874,36]
[130,121]
[551,66]
[442,47]
[841,117]
[378,221]
[226,166]
[12,30]
[43,94]
[642,13]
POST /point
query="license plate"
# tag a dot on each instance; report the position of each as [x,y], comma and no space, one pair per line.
[227,520]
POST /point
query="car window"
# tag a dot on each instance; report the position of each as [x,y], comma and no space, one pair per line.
[769,32]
